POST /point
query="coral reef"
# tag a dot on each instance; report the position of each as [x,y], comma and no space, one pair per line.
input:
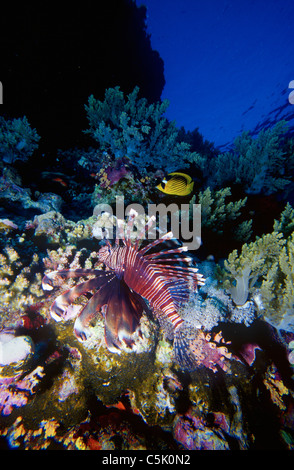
[130,127]
[17,139]
[261,165]
[264,271]
[285,224]
[14,196]
[19,281]
[133,393]
[196,434]
[220,215]
[277,289]
[243,271]
[58,392]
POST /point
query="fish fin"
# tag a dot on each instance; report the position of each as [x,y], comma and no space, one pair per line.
[91,310]
[112,342]
[81,332]
[122,317]
[184,355]
[59,308]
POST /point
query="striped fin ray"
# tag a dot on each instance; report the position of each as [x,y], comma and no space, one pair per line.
[180,249]
[167,236]
[186,259]
[95,304]
[142,235]
[47,281]
[122,317]
[59,308]
[189,274]
[181,270]
[179,294]
[152,283]
[184,354]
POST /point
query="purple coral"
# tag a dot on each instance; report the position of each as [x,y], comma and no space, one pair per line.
[194,433]
[209,352]
[15,392]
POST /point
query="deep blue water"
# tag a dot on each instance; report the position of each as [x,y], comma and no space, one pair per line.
[227,64]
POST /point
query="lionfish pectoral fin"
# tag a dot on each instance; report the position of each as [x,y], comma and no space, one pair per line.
[63,274]
[129,337]
[91,309]
[59,309]
[182,345]
[122,318]
[113,344]
[81,332]
[63,308]
[117,343]
[70,312]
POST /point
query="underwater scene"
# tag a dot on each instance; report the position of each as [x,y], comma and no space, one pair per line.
[146,268]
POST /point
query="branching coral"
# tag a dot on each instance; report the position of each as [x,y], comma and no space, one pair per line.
[19,283]
[286,222]
[277,289]
[255,260]
[217,213]
[17,139]
[130,127]
[265,267]
[262,165]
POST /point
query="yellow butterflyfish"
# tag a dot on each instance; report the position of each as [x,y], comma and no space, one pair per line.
[177,184]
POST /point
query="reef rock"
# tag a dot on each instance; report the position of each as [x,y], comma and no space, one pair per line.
[14,349]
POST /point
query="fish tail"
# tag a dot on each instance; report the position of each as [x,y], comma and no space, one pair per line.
[183,350]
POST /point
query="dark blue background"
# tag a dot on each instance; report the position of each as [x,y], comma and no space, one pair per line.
[227,64]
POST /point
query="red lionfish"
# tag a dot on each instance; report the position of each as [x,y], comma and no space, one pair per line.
[132,276]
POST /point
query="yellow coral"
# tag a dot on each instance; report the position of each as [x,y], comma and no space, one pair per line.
[80,445]
[276,388]
[12,254]
[49,427]
[21,283]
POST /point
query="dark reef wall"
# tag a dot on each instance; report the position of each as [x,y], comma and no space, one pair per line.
[54,56]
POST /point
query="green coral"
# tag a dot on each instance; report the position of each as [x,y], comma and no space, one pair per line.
[17,139]
[277,289]
[254,262]
[261,165]
[130,127]
[217,213]
[286,222]
[266,263]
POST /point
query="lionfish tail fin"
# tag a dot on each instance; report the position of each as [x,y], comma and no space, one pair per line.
[183,350]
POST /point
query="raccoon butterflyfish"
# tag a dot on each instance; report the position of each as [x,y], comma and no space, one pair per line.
[177,184]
